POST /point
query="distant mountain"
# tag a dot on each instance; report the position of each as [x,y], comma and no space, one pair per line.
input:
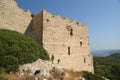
[104,53]
[114,56]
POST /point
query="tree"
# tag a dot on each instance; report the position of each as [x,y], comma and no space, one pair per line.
[107,67]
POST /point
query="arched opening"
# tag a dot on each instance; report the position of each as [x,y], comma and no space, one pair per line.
[81,43]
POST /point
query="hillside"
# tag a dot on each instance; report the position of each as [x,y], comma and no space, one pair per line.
[17,49]
[114,56]
[107,67]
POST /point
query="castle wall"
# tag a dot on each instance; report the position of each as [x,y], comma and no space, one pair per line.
[57,39]
[12,17]
[72,50]
[34,29]
[53,32]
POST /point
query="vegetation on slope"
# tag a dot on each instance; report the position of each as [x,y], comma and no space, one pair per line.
[3,78]
[90,76]
[114,56]
[106,67]
[16,49]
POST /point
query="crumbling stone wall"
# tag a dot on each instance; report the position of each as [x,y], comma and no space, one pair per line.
[12,17]
[66,40]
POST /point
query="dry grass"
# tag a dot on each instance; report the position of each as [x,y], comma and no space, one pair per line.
[11,76]
[17,77]
[70,75]
[73,75]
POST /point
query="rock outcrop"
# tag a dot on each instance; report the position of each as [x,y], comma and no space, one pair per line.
[12,17]
[66,40]
[46,70]
[72,51]
[42,70]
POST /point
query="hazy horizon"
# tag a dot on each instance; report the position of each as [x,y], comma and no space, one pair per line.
[102,17]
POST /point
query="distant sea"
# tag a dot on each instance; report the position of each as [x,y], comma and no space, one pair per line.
[104,53]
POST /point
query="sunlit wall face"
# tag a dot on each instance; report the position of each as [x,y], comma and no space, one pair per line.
[102,17]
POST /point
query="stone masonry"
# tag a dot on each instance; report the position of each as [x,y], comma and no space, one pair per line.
[12,17]
[66,40]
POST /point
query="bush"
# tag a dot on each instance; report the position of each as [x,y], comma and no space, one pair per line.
[3,78]
[1,70]
[32,15]
[52,59]
[115,70]
[90,76]
[16,49]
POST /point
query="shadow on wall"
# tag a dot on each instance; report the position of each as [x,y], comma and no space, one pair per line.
[34,32]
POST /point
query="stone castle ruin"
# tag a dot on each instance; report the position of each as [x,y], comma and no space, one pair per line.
[66,40]
[12,17]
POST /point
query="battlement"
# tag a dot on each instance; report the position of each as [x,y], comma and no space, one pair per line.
[65,39]
[44,12]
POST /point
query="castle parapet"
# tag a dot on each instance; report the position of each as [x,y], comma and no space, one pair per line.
[64,18]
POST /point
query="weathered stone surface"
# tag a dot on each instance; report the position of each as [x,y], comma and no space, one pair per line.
[12,17]
[66,40]
[46,68]
[54,33]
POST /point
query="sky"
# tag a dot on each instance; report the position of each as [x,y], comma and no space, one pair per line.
[101,16]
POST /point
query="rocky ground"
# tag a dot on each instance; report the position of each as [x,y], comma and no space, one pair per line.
[45,70]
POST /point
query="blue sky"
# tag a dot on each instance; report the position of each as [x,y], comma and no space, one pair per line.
[101,16]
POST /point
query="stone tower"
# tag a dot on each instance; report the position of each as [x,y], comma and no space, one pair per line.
[66,40]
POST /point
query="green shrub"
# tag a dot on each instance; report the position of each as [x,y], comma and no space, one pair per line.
[3,78]
[1,70]
[115,70]
[109,68]
[16,49]
[90,76]
[52,58]
[58,61]
[69,28]
[32,15]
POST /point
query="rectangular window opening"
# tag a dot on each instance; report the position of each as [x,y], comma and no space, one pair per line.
[68,50]
[80,43]
[84,60]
